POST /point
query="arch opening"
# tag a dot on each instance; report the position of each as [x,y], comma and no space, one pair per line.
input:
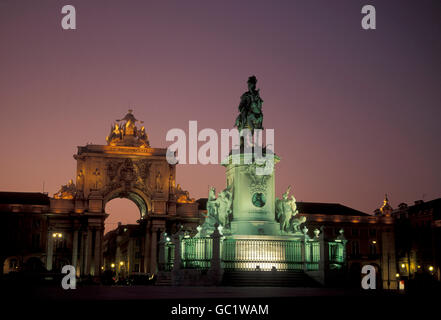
[124,208]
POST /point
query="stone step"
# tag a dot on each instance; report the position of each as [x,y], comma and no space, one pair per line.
[164,279]
[268,278]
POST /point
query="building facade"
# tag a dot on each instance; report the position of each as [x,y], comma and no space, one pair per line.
[71,226]
[370,239]
[418,237]
[22,237]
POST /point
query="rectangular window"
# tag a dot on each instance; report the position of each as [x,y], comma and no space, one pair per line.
[373,232]
[36,223]
[354,232]
[355,248]
[36,241]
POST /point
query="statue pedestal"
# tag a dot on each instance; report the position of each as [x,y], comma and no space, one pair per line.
[255,227]
[253,197]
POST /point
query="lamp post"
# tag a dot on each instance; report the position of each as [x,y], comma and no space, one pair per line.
[57,240]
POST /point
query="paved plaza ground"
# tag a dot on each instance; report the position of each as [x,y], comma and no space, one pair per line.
[161,300]
[165,292]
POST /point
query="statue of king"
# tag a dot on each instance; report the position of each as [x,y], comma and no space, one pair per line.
[250,108]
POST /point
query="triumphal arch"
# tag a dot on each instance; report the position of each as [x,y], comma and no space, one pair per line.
[126,167]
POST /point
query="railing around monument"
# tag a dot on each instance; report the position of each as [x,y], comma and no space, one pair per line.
[253,254]
[337,253]
[196,253]
[312,255]
[250,254]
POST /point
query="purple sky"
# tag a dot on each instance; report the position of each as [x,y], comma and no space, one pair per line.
[356,113]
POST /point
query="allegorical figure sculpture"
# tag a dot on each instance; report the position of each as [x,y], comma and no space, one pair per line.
[285,209]
[67,191]
[212,205]
[158,182]
[143,137]
[130,125]
[182,196]
[295,224]
[250,108]
[218,211]
[225,200]
[127,134]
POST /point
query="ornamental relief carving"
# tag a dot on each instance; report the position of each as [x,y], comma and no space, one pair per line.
[143,169]
[127,171]
[256,183]
[112,169]
[127,174]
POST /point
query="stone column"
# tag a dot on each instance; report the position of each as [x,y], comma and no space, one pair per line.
[176,274]
[324,256]
[153,247]
[118,257]
[303,251]
[130,255]
[75,249]
[388,265]
[215,259]
[97,256]
[345,260]
[177,258]
[161,258]
[50,251]
[215,263]
[304,240]
[147,249]
[81,256]
[88,252]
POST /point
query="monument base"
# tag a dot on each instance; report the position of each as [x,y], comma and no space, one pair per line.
[255,227]
[262,252]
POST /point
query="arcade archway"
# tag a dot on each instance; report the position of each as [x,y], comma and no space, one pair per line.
[121,210]
[142,202]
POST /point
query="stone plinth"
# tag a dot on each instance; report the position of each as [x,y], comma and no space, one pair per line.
[253,197]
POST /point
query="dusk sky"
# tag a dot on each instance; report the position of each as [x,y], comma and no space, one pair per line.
[356,113]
